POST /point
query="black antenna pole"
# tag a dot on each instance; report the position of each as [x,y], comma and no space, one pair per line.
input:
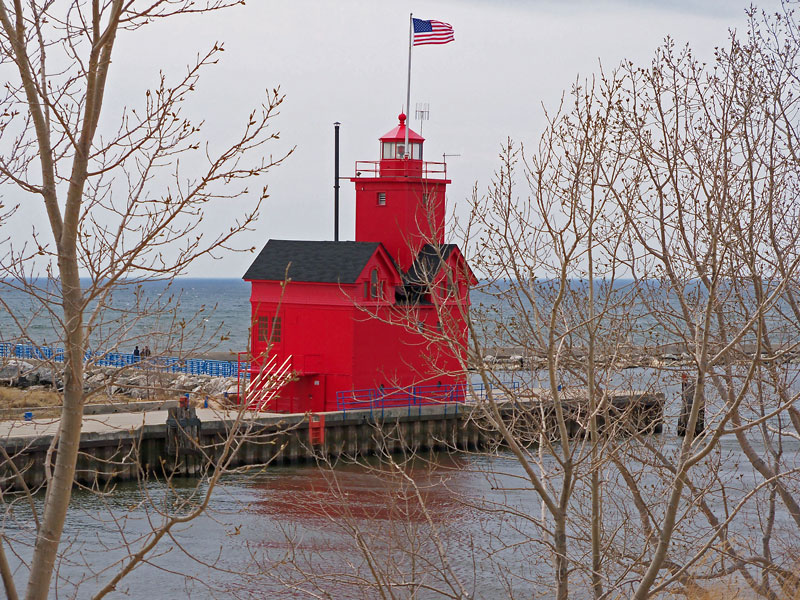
[336,181]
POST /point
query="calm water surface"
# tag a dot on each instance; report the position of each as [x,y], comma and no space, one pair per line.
[216,311]
[261,526]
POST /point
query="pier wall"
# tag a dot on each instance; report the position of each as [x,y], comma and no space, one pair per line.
[156,448]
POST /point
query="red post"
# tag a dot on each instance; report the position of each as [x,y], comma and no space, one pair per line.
[316,429]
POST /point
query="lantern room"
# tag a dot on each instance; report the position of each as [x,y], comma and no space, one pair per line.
[393,143]
[396,158]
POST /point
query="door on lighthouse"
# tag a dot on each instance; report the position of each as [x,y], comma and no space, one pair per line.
[310,394]
[317,393]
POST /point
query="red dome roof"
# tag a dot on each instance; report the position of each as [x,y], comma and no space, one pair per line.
[399,133]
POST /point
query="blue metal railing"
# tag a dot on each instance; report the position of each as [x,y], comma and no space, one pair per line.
[418,395]
[190,366]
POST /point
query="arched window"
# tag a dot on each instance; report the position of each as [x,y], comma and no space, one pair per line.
[374,285]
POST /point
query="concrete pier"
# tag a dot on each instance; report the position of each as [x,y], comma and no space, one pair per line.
[125,446]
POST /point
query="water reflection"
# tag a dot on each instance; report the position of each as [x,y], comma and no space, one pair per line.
[371,490]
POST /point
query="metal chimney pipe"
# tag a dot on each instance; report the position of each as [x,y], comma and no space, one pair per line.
[336,181]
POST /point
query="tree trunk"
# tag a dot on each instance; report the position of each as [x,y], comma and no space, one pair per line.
[560,543]
[59,489]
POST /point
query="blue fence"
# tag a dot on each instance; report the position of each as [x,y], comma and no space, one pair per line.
[191,366]
[419,395]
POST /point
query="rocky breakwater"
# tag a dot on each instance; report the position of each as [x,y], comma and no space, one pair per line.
[140,381]
[628,356]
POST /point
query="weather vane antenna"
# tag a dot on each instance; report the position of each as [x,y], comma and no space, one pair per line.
[422,113]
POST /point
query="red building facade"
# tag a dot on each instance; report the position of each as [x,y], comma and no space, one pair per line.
[380,319]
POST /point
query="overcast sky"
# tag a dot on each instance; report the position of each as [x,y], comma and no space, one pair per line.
[346,61]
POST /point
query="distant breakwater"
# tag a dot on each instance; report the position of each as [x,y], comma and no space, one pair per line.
[629,356]
[167,364]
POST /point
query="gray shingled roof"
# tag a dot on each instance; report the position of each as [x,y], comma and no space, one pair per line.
[427,263]
[323,262]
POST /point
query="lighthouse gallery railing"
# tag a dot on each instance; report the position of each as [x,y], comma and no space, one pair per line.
[401,168]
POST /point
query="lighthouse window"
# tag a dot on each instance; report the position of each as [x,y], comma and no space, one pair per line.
[381,198]
[375,286]
[262,329]
[276,330]
[395,150]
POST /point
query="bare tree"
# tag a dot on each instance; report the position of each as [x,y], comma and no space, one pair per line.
[691,174]
[122,209]
[718,226]
[657,239]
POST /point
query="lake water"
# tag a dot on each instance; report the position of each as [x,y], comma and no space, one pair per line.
[216,313]
[201,316]
[287,531]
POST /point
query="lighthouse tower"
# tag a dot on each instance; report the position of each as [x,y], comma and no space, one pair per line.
[379,321]
[400,199]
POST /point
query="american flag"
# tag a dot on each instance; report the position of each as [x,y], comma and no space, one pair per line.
[432,32]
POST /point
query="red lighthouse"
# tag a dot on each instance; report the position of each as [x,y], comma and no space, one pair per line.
[377,320]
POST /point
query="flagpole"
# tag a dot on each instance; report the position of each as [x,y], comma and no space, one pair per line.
[408,85]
